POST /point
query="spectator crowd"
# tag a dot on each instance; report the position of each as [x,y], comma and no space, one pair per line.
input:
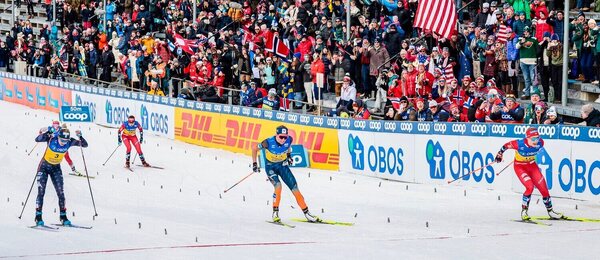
[287,54]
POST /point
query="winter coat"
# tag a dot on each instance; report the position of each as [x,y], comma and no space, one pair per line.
[376,59]
[521,6]
[540,28]
[392,42]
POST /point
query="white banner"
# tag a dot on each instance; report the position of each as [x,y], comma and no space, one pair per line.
[112,111]
[571,168]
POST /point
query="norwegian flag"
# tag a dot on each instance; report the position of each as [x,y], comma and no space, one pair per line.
[276,45]
[503,33]
[438,16]
[185,44]
[249,39]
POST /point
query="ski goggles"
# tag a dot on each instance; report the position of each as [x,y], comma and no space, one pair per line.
[535,139]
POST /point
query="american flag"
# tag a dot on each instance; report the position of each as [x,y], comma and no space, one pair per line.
[438,16]
[502,34]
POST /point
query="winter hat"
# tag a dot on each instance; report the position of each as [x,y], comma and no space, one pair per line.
[491,84]
[554,37]
[511,97]
[432,103]
[467,77]
[551,111]
[546,34]
[536,91]
[420,99]
[298,55]
[272,92]
[486,5]
[492,92]
[480,78]
[532,132]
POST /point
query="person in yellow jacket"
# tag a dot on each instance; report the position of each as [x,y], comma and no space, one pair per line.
[155,90]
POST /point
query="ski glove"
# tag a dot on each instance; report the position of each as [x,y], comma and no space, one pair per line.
[255,167]
[499,157]
[289,161]
[78,133]
[141,137]
[119,139]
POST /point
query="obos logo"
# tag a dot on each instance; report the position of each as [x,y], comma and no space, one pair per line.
[568,131]
[154,121]
[573,174]
[80,102]
[379,159]
[459,163]
[115,115]
[436,159]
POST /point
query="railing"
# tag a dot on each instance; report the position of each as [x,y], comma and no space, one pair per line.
[233,92]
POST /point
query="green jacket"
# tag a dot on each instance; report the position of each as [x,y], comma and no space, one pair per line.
[577,30]
[521,6]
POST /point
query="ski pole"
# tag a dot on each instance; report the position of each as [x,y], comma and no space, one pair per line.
[31,151]
[111,155]
[238,182]
[473,171]
[135,156]
[88,176]
[27,199]
[505,168]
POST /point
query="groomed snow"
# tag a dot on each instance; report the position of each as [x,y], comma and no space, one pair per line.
[187,200]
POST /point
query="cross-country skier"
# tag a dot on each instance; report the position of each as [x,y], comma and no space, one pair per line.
[58,144]
[127,135]
[528,171]
[55,127]
[277,159]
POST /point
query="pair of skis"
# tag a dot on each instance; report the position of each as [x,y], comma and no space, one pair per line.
[323,221]
[539,220]
[55,227]
[151,166]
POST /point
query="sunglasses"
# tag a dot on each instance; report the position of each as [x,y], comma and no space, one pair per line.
[282,137]
[539,108]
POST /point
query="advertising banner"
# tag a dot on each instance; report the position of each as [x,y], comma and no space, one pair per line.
[34,95]
[75,114]
[112,111]
[239,133]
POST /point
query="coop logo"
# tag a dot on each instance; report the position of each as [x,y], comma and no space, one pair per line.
[332,122]
[345,123]
[439,127]
[520,129]
[423,127]
[291,117]
[549,131]
[92,105]
[375,125]
[569,131]
[318,121]
[436,159]
[459,128]
[75,114]
[115,115]
[406,127]
[360,124]
[459,164]
[155,122]
[499,129]
[268,114]
[594,133]
[478,129]
[389,126]
[379,159]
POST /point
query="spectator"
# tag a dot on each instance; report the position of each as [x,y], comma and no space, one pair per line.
[527,52]
[509,113]
[347,94]
[437,114]
[590,115]
[555,53]
[456,115]
[552,118]
[405,111]
[530,110]
[360,110]
[317,68]
[210,95]
[155,90]
[378,57]
[423,112]
[270,102]
[187,94]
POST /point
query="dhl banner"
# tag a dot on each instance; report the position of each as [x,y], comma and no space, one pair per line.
[238,133]
[34,92]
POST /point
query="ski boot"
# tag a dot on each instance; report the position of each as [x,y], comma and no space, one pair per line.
[38,218]
[524,214]
[310,217]
[555,215]
[127,165]
[75,170]
[145,164]
[63,218]
[276,215]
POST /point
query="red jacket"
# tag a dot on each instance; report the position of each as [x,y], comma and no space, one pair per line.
[304,47]
[426,83]
[317,66]
[409,83]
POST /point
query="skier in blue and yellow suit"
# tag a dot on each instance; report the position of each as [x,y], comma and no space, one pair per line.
[58,145]
[277,159]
